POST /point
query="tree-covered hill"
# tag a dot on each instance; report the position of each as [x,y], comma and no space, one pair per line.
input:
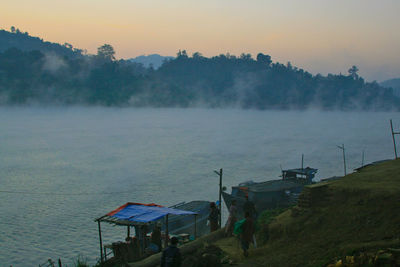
[392,83]
[58,76]
[23,41]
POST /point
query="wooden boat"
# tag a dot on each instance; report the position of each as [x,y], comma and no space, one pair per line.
[271,194]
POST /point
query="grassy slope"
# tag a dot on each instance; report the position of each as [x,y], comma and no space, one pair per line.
[357,213]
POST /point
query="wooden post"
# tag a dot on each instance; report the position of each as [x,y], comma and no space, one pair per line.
[220,199]
[344,160]
[394,140]
[220,194]
[362,160]
[101,243]
[166,232]
[128,231]
[195,226]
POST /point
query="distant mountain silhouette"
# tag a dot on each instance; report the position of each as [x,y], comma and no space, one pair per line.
[392,83]
[23,41]
[155,60]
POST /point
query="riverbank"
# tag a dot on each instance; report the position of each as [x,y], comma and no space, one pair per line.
[357,214]
[351,219]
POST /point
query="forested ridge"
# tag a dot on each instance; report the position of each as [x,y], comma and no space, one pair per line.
[52,74]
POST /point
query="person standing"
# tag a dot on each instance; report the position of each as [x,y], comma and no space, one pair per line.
[249,207]
[246,236]
[171,256]
[156,237]
[213,217]
[230,224]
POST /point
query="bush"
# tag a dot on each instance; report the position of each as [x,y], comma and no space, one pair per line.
[81,262]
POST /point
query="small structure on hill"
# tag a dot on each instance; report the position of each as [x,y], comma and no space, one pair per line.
[143,217]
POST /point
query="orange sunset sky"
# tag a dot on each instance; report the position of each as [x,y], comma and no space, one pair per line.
[321,36]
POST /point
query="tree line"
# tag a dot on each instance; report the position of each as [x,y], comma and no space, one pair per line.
[48,77]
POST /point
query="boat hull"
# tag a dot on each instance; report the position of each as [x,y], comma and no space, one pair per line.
[263,200]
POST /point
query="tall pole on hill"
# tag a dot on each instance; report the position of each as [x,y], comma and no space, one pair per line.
[220,193]
[394,140]
[344,158]
[362,159]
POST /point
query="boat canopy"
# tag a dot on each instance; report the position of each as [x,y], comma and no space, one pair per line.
[307,173]
[139,213]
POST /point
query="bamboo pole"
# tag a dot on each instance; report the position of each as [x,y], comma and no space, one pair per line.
[220,198]
[344,160]
[166,232]
[101,243]
[195,226]
[362,160]
[394,140]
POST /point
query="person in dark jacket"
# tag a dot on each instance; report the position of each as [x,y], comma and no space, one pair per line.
[171,256]
[247,233]
[249,207]
[213,217]
[156,237]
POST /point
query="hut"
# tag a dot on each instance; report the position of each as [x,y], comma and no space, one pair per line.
[142,217]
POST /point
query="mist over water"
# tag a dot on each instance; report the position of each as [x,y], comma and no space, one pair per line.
[61,168]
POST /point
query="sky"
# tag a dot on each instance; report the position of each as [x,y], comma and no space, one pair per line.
[320,36]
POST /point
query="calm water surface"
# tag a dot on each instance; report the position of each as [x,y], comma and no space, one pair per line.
[62,167]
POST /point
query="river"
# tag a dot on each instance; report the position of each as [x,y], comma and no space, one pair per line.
[60,168]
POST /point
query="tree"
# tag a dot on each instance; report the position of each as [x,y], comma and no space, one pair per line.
[264,59]
[197,55]
[106,52]
[68,45]
[12,29]
[182,54]
[245,56]
[353,72]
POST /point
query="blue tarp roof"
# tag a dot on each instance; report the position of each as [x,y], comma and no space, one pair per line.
[143,213]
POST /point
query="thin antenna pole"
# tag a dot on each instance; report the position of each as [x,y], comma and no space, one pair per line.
[344,158]
[362,160]
[302,161]
[394,140]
